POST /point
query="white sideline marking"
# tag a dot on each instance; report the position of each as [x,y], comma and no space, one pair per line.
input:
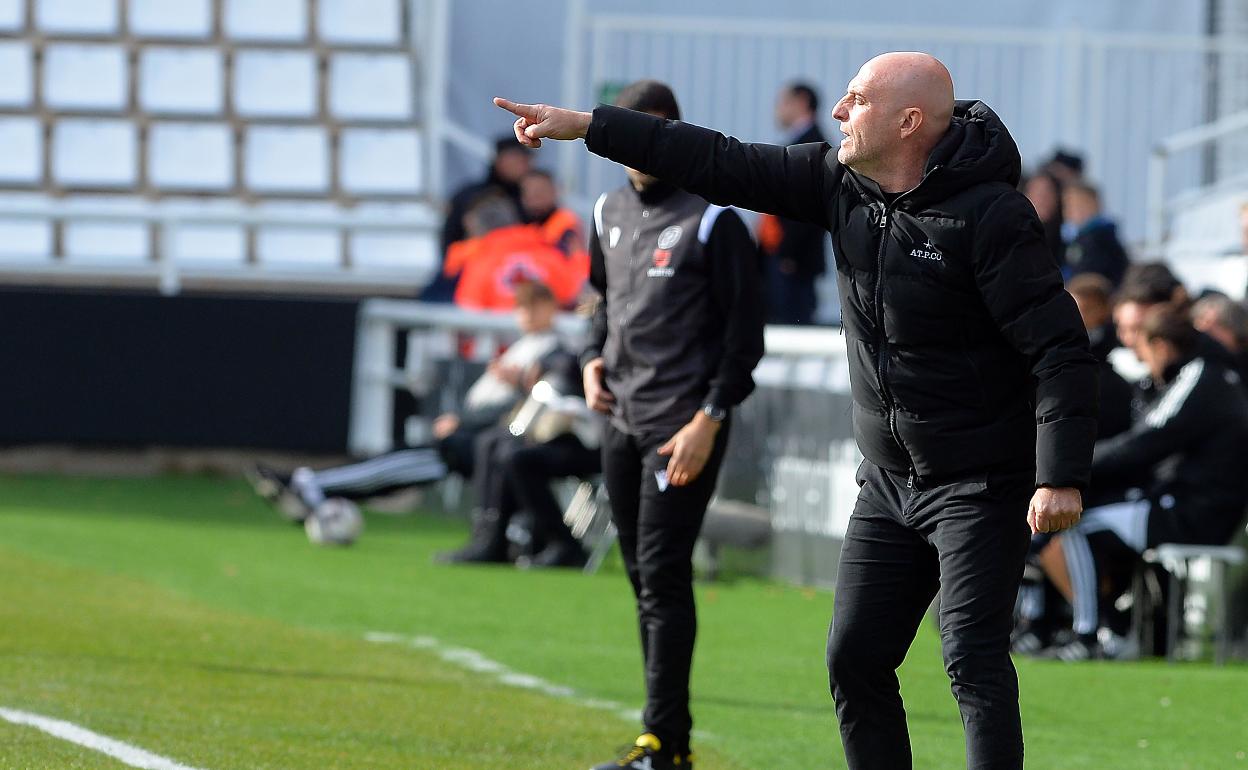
[68,731]
[474,661]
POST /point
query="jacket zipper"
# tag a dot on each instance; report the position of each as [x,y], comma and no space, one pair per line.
[881,349]
[882,346]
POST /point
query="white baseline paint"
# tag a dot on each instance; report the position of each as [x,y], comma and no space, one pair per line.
[470,659]
[68,731]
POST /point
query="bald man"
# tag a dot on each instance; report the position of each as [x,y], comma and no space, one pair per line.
[974,390]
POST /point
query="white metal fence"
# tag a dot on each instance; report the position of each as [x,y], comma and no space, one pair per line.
[1110,96]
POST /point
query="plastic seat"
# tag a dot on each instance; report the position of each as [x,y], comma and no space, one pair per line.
[85,76]
[359,22]
[1176,560]
[16,89]
[386,161]
[287,159]
[267,20]
[94,153]
[181,80]
[195,156]
[171,18]
[275,83]
[77,16]
[370,86]
[22,140]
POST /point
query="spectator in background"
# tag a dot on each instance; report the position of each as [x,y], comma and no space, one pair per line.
[1144,285]
[511,162]
[794,251]
[502,253]
[1065,166]
[560,227]
[1192,441]
[546,440]
[1045,193]
[1092,239]
[456,434]
[1225,321]
[1092,295]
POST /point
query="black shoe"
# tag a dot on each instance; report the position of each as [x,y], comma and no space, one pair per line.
[476,552]
[266,482]
[274,488]
[568,554]
[1081,649]
[647,754]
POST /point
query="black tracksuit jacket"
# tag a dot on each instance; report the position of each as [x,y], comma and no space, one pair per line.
[1193,439]
[680,321]
[965,352]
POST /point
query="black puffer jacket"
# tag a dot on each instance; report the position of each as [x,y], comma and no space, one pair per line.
[965,352]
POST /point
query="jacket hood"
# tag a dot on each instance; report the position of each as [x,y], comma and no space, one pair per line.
[976,149]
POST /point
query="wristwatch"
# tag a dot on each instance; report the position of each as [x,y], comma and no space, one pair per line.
[716,413]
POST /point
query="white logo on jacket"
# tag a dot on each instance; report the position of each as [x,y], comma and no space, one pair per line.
[615,236]
[670,237]
[928,252]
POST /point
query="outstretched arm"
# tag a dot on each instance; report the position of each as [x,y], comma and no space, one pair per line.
[789,181]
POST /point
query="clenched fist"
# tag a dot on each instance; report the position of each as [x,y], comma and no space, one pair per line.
[1054,509]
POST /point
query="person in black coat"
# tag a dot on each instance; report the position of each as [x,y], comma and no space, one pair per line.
[794,251]
[1191,442]
[974,390]
[1092,239]
[1045,193]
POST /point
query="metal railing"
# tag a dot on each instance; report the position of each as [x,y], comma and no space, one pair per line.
[792,450]
[1160,206]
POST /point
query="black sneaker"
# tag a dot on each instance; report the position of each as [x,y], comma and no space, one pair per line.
[1077,651]
[560,554]
[274,488]
[266,482]
[647,754]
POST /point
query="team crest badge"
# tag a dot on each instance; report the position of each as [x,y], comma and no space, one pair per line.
[670,237]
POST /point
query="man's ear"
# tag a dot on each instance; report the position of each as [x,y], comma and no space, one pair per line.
[911,119]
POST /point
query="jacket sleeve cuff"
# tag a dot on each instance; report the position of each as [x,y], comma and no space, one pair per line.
[618,134]
[1064,452]
[589,354]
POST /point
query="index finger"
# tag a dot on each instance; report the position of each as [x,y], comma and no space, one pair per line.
[523,110]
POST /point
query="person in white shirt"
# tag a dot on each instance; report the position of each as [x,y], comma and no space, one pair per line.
[488,403]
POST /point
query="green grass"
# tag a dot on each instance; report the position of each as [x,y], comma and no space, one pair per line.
[183,616]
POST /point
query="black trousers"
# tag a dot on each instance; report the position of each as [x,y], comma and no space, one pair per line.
[657,531]
[967,538]
[512,474]
[530,471]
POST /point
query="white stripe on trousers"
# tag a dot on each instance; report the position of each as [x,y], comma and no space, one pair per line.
[1129,522]
[402,468]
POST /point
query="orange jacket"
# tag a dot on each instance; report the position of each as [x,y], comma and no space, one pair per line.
[562,230]
[489,268]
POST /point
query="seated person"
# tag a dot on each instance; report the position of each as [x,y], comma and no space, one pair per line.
[553,435]
[1193,440]
[1225,322]
[1039,605]
[1092,295]
[489,401]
